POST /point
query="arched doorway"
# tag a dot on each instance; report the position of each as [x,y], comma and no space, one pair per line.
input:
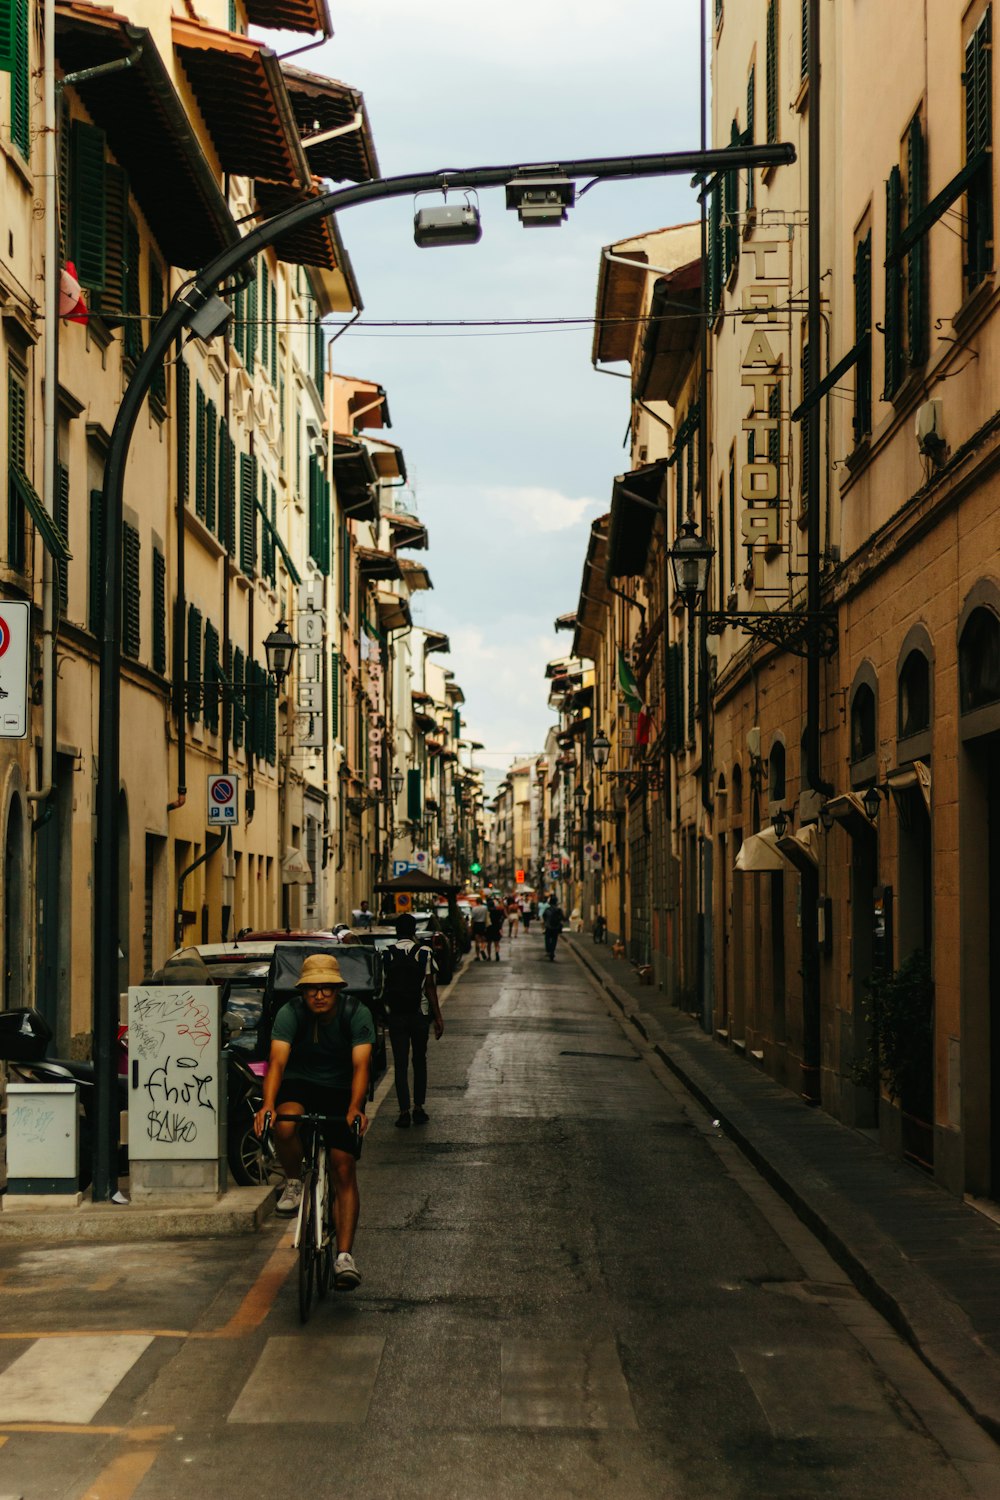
[14,913]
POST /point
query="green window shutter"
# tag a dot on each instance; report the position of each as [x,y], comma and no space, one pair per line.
[62,160]
[917,298]
[319,354]
[87,204]
[248,517]
[414,804]
[772,72]
[806,429]
[211,675]
[715,252]
[211,463]
[334,695]
[193,663]
[183,377]
[159,612]
[804,67]
[751,125]
[227,489]
[271,720]
[20,82]
[862,336]
[675,698]
[251,325]
[893,321]
[16,450]
[132,335]
[265,327]
[239,701]
[227,693]
[159,384]
[274,336]
[274,523]
[731,211]
[112,302]
[200,451]
[8,24]
[239,325]
[62,521]
[131,626]
[95,601]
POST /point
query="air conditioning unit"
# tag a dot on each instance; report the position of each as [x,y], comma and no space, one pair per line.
[930,429]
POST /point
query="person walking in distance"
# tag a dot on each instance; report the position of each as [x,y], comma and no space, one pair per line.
[480,924]
[321,1046]
[553,922]
[513,917]
[494,931]
[409,993]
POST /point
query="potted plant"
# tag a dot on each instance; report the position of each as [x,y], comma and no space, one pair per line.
[899,1008]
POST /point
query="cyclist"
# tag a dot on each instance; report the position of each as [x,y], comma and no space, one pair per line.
[320,1051]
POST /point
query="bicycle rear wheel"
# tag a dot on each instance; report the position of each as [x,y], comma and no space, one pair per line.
[307,1247]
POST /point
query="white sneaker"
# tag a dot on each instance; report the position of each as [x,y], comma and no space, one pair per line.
[290,1199]
[346,1275]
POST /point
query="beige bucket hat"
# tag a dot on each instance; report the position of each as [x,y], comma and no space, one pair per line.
[320,968]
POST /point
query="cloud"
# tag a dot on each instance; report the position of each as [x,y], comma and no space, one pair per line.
[526,507]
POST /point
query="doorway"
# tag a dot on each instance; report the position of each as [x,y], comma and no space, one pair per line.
[14,915]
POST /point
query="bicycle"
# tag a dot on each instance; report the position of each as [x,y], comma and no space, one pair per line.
[315,1234]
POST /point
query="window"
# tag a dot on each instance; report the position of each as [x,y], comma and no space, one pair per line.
[248,517]
[183,432]
[731,212]
[16,454]
[95,594]
[804,61]
[227,489]
[772,72]
[862,724]
[211,674]
[132,308]
[87,204]
[131,630]
[716,251]
[211,464]
[319,514]
[158,388]
[750,138]
[62,521]
[200,445]
[979,660]
[917,298]
[862,337]
[239,699]
[978,84]
[159,612]
[914,698]
[193,683]
[776,772]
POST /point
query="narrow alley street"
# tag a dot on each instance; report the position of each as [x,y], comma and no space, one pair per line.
[574,1286]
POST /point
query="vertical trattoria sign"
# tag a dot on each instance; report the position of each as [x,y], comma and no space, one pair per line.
[765,376]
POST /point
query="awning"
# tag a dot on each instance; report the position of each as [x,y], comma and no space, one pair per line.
[290,15]
[759,853]
[52,538]
[290,567]
[424,721]
[635,503]
[373,564]
[435,640]
[416,880]
[592,610]
[566,621]
[671,335]
[415,575]
[295,868]
[849,810]
[801,849]
[241,93]
[354,476]
[407,531]
[419,697]
[324,104]
[915,779]
[393,612]
[388,460]
[148,132]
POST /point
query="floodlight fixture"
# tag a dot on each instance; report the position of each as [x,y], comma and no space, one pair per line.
[541,201]
[448,223]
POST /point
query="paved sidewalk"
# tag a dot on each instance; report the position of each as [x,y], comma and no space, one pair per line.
[928,1262]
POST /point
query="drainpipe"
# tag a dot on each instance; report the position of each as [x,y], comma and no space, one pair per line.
[180,608]
[49,421]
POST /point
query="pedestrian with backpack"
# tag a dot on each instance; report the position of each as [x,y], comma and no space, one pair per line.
[553,922]
[409,994]
[321,1047]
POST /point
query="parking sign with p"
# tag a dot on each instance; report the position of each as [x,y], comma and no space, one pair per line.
[223,801]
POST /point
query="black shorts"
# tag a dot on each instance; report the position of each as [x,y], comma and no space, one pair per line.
[479,929]
[317,1099]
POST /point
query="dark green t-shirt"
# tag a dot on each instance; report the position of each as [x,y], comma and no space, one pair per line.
[322,1055]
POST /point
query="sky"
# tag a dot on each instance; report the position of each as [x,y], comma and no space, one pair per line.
[511,439]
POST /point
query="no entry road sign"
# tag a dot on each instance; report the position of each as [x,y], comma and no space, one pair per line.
[223,801]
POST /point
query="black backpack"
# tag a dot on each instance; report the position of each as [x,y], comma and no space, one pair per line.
[403,986]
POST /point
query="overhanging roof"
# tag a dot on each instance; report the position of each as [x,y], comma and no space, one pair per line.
[317,243]
[435,640]
[323,104]
[241,92]
[671,336]
[354,476]
[407,531]
[388,460]
[290,15]
[393,611]
[620,290]
[415,575]
[592,612]
[148,132]
[375,564]
[633,516]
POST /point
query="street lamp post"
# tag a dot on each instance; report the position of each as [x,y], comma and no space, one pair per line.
[198,307]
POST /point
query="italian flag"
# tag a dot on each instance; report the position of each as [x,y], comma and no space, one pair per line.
[628,685]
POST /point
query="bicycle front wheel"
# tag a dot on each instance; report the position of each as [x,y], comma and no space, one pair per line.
[324,1253]
[307,1247]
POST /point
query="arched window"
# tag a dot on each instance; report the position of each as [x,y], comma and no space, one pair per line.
[979,660]
[913,713]
[776,772]
[862,724]
[737,796]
